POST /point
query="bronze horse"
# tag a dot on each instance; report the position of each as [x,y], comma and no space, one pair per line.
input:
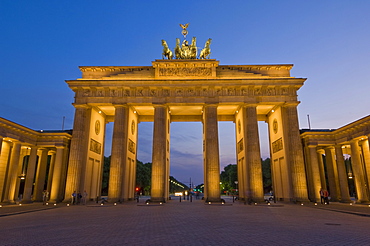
[206,51]
[166,51]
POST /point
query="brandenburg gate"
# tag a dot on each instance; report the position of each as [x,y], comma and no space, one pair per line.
[179,90]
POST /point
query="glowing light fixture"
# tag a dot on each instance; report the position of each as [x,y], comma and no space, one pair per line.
[67,204]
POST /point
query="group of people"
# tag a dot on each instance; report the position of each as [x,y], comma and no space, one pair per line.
[324,196]
[78,198]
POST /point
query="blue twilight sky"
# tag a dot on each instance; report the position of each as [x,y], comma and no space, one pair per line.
[43,43]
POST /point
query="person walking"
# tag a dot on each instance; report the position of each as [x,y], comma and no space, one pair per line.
[326,197]
[84,197]
[322,197]
[74,197]
[45,197]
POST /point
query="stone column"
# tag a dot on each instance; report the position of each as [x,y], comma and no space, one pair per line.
[320,161]
[30,175]
[1,144]
[159,154]
[40,175]
[78,149]
[361,188]
[12,173]
[294,152]
[342,175]
[332,173]
[315,173]
[212,159]
[51,171]
[366,155]
[57,175]
[252,154]
[118,160]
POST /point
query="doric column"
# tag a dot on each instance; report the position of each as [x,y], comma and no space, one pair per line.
[77,154]
[320,161]
[294,152]
[342,175]
[119,153]
[358,171]
[30,175]
[1,144]
[252,153]
[40,175]
[159,154]
[57,175]
[315,173]
[212,159]
[366,155]
[12,173]
[51,171]
[332,173]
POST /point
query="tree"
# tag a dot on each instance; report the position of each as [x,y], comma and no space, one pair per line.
[105,182]
[228,178]
[266,175]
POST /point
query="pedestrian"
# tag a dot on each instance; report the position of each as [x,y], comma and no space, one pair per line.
[74,197]
[79,196]
[322,197]
[326,196]
[84,197]
[45,197]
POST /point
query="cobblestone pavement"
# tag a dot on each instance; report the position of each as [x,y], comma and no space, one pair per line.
[185,223]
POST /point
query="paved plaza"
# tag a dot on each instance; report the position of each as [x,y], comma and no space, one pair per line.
[185,223]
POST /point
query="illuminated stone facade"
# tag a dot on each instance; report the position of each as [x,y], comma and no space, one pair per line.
[184,90]
[187,90]
[27,157]
[332,146]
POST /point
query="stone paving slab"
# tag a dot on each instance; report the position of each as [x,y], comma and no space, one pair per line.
[186,223]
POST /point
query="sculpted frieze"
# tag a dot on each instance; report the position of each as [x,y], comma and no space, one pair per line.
[185,71]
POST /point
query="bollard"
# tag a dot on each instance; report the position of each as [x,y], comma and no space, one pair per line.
[180,198]
[191,198]
[137,199]
[233,199]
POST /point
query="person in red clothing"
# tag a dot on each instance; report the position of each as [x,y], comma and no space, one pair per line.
[326,196]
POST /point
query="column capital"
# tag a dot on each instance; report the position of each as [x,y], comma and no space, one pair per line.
[120,105]
[250,105]
[329,147]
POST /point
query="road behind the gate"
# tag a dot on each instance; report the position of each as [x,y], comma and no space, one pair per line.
[186,223]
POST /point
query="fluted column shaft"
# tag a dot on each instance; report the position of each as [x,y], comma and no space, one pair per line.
[315,173]
[320,162]
[30,175]
[366,154]
[332,173]
[342,175]
[51,171]
[159,154]
[361,186]
[12,173]
[212,159]
[252,153]
[57,175]
[40,175]
[77,154]
[119,153]
[295,152]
